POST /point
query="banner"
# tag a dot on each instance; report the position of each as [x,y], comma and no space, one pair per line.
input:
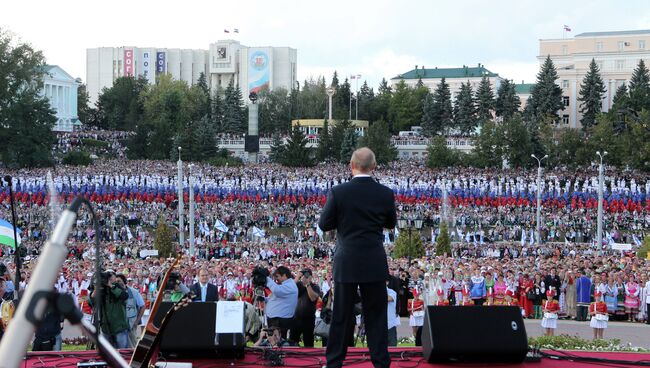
[148,253]
[258,71]
[621,246]
[145,66]
[128,63]
[161,67]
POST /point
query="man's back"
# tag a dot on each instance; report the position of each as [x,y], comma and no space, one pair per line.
[359,210]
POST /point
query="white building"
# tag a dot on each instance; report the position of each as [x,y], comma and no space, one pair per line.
[252,68]
[616,54]
[453,76]
[61,89]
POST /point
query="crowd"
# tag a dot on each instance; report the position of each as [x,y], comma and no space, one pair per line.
[265,215]
[98,142]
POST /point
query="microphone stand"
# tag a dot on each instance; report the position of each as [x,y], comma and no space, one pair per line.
[16,249]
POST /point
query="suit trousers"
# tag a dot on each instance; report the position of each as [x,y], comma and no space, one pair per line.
[374,301]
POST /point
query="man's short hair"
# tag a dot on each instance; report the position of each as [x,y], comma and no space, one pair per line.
[283,271]
[364,159]
[121,276]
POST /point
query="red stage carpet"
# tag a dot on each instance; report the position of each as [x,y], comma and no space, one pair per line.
[302,357]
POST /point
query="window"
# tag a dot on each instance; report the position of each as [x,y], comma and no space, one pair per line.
[599,47]
[600,65]
[565,119]
[641,44]
[565,100]
[621,45]
[620,64]
[565,84]
[565,50]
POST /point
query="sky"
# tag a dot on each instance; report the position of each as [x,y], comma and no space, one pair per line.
[377,39]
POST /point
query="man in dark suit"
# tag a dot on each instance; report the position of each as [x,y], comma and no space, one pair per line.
[203,290]
[359,210]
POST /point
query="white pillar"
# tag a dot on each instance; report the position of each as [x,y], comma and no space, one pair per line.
[573,101]
[181,233]
[192,211]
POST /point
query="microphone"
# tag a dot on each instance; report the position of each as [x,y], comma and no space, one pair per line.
[21,329]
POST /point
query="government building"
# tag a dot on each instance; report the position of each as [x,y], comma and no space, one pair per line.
[61,90]
[252,68]
[616,54]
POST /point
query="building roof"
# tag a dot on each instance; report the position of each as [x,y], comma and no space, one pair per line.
[523,88]
[614,33]
[464,72]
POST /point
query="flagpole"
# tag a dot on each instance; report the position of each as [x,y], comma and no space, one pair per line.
[191,214]
[16,250]
[181,231]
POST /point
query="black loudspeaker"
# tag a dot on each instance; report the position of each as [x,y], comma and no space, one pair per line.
[191,333]
[474,334]
[252,143]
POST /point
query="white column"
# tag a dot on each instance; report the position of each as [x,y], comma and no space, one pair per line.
[612,87]
[573,104]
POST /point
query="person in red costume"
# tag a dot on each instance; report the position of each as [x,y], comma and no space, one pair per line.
[550,307]
[599,316]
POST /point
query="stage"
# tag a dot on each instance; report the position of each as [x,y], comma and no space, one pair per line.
[358,357]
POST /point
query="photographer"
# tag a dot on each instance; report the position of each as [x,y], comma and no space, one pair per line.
[305,316]
[281,305]
[175,290]
[134,309]
[114,324]
[48,333]
[271,337]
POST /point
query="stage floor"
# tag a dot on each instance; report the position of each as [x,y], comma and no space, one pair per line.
[315,358]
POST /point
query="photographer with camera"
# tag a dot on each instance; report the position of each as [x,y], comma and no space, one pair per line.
[281,304]
[271,337]
[175,290]
[134,309]
[114,324]
[304,319]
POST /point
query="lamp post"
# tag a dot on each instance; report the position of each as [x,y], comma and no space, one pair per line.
[330,92]
[409,224]
[539,196]
[356,100]
[599,234]
[192,210]
[181,233]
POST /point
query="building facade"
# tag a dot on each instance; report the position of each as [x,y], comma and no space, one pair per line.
[616,54]
[453,76]
[61,90]
[252,68]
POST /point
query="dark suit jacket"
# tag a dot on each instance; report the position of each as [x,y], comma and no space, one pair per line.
[359,210]
[211,295]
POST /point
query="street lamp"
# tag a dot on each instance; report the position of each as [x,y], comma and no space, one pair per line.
[331,91]
[599,234]
[539,196]
[409,224]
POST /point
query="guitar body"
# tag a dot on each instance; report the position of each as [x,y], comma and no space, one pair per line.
[150,339]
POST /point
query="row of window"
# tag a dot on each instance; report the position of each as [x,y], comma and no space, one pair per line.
[622,45]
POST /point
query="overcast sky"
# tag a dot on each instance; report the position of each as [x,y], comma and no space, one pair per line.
[379,38]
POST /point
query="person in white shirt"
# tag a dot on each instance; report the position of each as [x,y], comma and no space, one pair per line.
[393,318]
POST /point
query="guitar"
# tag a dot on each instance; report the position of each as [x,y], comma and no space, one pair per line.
[144,351]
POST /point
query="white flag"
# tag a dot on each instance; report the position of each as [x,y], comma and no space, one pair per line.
[258,232]
[523,237]
[221,226]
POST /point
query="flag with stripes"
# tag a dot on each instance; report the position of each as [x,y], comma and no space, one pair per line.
[219,225]
[567,28]
[7,234]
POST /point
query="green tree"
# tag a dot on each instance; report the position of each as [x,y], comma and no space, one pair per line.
[591,96]
[77,158]
[296,153]
[277,149]
[621,100]
[408,249]
[312,100]
[205,106]
[443,242]
[163,242]
[377,138]
[640,88]
[441,156]
[404,107]
[84,111]
[216,111]
[26,118]
[337,135]
[120,107]
[517,143]
[484,101]
[324,151]
[341,100]
[546,95]
[488,146]
[507,103]
[382,103]
[429,119]
[367,103]
[465,119]
[274,111]
[348,145]
[442,111]
[235,119]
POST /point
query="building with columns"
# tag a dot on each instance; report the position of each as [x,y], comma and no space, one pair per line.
[617,53]
[61,89]
[252,68]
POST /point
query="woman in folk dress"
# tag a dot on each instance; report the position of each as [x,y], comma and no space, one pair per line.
[550,308]
[599,316]
[632,291]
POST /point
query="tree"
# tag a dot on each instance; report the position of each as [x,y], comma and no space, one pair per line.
[441,156]
[621,100]
[488,146]
[341,100]
[442,112]
[277,149]
[121,107]
[296,153]
[591,96]
[507,103]
[517,143]
[428,118]
[274,111]
[484,101]
[234,113]
[338,133]
[367,103]
[546,95]
[163,242]
[348,146]
[77,158]
[404,107]
[405,248]
[443,242]
[465,119]
[324,151]
[26,118]
[382,105]
[312,100]
[205,107]
[377,138]
[84,111]
[640,88]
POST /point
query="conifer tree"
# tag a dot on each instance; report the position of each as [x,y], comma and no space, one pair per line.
[591,96]
[507,103]
[484,101]
[640,88]
[465,119]
[546,95]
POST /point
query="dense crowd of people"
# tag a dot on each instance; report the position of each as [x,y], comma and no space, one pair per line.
[98,142]
[266,215]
